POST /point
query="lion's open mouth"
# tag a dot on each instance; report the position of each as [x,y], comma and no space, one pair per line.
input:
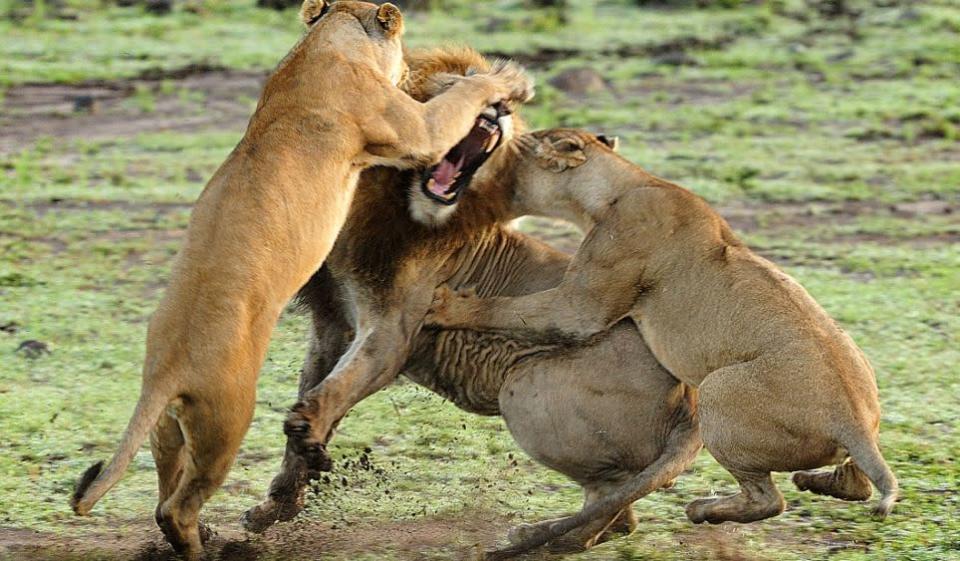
[445,181]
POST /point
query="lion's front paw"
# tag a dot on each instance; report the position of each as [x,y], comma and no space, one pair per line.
[449,308]
[297,427]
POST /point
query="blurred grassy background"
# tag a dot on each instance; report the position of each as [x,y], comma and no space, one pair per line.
[826,131]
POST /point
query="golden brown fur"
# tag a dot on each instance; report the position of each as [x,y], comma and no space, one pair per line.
[263,224]
[368,302]
[782,387]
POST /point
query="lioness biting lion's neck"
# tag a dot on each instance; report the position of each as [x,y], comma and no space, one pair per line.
[264,223]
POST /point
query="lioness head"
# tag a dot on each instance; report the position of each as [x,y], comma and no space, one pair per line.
[437,189]
[382,24]
[555,168]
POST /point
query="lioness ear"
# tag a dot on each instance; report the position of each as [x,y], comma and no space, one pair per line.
[313,10]
[612,142]
[560,154]
[567,144]
[390,18]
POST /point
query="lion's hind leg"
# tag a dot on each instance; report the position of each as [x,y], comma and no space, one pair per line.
[599,529]
[623,525]
[847,482]
[522,532]
[581,538]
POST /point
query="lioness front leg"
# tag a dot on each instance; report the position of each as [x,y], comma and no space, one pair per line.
[552,312]
[413,133]
[598,289]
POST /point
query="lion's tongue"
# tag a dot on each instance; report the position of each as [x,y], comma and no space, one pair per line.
[444,176]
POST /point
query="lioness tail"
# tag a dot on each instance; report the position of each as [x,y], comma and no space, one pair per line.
[866,454]
[96,481]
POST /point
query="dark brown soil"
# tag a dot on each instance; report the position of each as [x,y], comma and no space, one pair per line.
[216,100]
[139,540]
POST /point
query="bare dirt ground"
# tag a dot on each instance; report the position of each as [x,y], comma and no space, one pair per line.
[138,540]
[459,538]
[193,99]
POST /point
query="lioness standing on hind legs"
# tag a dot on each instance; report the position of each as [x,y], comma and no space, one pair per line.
[782,387]
[262,226]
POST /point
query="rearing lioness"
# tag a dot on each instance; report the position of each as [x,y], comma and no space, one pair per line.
[782,387]
[623,432]
[263,225]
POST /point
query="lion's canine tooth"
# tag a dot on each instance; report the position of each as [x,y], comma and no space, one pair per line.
[492,141]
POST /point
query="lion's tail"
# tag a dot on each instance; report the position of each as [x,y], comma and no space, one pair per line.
[865,452]
[682,446]
[97,480]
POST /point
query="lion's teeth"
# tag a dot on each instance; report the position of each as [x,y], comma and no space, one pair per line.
[492,141]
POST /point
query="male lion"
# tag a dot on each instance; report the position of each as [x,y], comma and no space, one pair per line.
[605,413]
[782,387]
[262,226]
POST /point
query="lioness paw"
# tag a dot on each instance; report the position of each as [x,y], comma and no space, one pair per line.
[516,83]
[449,307]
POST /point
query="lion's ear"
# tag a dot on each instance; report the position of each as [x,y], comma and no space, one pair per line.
[390,19]
[313,10]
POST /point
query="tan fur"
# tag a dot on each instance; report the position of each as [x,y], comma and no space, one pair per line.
[605,413]
[782,387]
[264,223]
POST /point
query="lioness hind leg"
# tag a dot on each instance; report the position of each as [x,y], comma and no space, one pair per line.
[847,482]
[212,436]
[166,444]
[736,410]
[758,499]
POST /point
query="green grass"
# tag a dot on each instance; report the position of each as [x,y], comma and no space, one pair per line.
[792,120]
